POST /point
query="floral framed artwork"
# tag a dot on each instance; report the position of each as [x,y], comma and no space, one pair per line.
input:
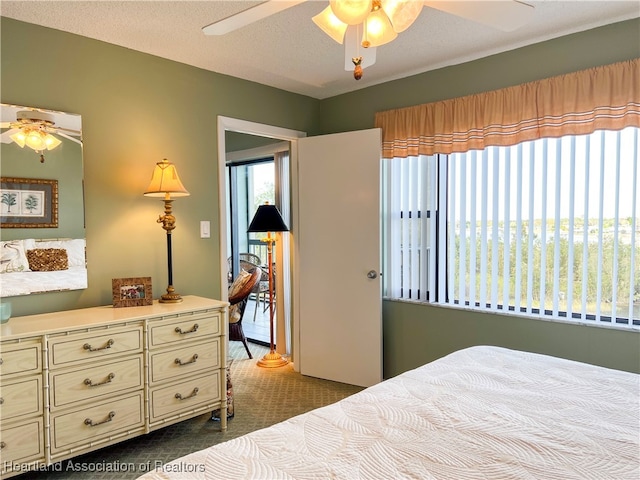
[28,203]
[132,292]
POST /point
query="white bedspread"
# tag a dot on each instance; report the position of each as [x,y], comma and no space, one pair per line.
[479,413]
[25,283]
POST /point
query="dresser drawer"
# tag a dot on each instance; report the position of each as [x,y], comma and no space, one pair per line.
[181,397]
[96,422]
[20,397]
[96,381]
[94,345]
[187,360]
[22,443]
[184,327]
[20,358]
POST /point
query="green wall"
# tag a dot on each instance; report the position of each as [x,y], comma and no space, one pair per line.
[601,46]
[63,164]
[415,334]
[137,109]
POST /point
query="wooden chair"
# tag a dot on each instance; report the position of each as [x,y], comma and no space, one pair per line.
[239,293]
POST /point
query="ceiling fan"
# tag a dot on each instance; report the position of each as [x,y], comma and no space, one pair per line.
[355,23]
[34,129]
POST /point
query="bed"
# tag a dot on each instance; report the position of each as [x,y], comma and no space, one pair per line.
[20,275]
[479,413]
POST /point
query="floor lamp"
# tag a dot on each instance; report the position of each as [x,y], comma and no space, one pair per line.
[268,219]
[166,183]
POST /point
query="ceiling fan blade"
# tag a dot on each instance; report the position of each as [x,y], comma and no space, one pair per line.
[5,137]
[248,16]
[69,137]
[5,125]
[352,48]
[61,130]
[501,14]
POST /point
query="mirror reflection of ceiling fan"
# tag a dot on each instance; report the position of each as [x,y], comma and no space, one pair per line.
[363,25]
[36,129]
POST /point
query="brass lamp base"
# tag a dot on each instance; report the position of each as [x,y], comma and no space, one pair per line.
[171,296]
[272,360]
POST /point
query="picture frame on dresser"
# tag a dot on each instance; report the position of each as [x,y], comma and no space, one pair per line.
[132,292]
[28,203]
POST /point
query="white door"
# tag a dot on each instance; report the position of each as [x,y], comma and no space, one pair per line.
[340,303]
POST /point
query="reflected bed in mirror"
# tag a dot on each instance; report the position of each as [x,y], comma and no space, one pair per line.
[39,257]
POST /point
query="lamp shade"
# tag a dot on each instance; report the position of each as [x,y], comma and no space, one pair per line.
[165,180]
[351,12]
[330,24]
[378,29]
[402,13]
[267,219]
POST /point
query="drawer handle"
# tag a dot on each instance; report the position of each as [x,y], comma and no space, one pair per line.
[193,360]
[2,445]
[192,394]
[1,400]
[89,422]
[109,344]
[193,329]
[90,383]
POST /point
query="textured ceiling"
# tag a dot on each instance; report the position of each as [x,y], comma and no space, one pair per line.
[289,51]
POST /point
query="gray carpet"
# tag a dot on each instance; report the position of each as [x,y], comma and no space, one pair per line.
[262,397]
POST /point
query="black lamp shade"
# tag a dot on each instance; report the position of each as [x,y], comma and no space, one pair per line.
[267,219]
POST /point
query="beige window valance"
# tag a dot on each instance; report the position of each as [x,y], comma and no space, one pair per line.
[606,97]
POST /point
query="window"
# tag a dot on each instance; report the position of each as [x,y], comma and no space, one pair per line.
[545,228]
[251,183]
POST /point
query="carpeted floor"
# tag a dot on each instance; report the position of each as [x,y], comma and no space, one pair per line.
[262,397]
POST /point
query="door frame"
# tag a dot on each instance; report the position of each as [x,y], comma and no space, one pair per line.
[262,130]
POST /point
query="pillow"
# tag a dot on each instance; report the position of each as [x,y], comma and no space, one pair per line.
[47,259]
[74,248]
[234,289]
[13,257]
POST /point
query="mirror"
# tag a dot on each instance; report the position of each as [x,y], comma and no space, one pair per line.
[42,235]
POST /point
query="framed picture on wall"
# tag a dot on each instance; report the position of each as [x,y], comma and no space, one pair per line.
[132,292]
[28,203]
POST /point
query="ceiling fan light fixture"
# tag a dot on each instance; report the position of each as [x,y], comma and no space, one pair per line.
[402,13]
[32,130]
[351,12]
[331,25]
[35,139]
[378,29]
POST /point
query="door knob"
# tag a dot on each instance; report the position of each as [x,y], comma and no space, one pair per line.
[372,274]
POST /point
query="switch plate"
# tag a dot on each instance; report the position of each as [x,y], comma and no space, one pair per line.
[205,229]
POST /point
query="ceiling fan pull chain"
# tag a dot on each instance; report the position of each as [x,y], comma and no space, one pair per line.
[357,72]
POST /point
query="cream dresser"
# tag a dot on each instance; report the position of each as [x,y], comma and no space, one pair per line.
[79,380]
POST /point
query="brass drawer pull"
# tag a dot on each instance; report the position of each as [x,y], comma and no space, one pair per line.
[1,400]
[109,344]
[2,445]
[192,394]
[108,380]
[89,422]
[193,360]
[193,329]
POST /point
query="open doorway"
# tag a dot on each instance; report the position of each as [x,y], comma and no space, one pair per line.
[234,146]
[252,182]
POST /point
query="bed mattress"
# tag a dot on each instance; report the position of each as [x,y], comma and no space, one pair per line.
[478,413]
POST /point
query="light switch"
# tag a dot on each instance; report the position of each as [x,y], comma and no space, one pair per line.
[205,229]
